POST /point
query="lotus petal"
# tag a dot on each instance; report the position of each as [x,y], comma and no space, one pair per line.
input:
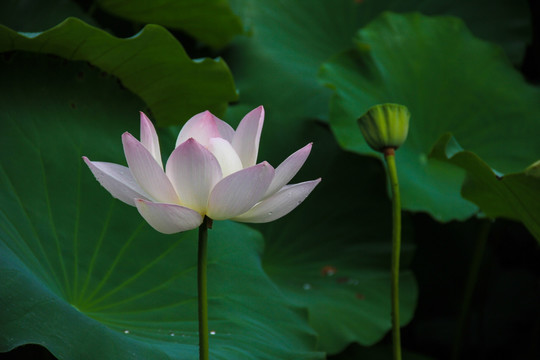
[226,155]
[202,127]
[193,171]
[238,192]
[279,204]
[149,138]
[168,218]
[288,169]
[247,136]
[117,180]
[147,172]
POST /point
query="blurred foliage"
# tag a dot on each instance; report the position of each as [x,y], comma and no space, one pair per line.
[513,196]
[39,15]
[291,39]
[73,280]
[210,21]
[152,64]
[82,273]
[451,82]
[337,265]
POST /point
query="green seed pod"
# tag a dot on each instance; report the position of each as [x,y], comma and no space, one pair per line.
[385,126]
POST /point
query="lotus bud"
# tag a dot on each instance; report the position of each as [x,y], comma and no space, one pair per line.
[385,126]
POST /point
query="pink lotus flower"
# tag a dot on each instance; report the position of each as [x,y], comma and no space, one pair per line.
[211,172]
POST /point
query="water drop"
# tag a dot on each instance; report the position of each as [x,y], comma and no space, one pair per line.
[126,331]
[306,286]
[171,333]
[270,213]
[212,332]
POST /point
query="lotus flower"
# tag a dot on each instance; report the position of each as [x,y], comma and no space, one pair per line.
[212,172]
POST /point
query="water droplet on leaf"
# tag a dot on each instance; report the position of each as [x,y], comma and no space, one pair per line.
[126,331]
[306,286]
[212,332]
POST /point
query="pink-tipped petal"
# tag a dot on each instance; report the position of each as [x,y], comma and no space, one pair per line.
[193,171]
[147,172]
[149,138]
[202,127]
[228,158]
[288,168]
[238,192]
[167,218]
[225,130]
[247,136]
[279,204]
[117,180]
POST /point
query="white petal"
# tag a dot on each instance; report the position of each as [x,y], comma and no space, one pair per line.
[225,154]
[149,138]
[117,179]
[239,191]
[147,172]
[279,204]
[193,171]
[202,127]
[247,136]
[167,218]
[288,168]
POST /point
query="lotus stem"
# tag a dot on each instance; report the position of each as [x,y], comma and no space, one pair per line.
[202,288]
[389,155]
[470,286]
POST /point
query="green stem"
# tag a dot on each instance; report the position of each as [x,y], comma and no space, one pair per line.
[201,282]
[472,279]
[389,155]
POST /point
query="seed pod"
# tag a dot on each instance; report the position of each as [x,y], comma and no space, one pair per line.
[385,126]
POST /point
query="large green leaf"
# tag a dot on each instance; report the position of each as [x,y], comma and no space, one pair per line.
[82,274]
[210,21]
[514,196]
[377,352]
[450,81]
[152,64]
[332,254]
[277,65]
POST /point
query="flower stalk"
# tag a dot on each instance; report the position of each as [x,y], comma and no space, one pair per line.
[470,286]
[385,128]
[389,155]
[202,287]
